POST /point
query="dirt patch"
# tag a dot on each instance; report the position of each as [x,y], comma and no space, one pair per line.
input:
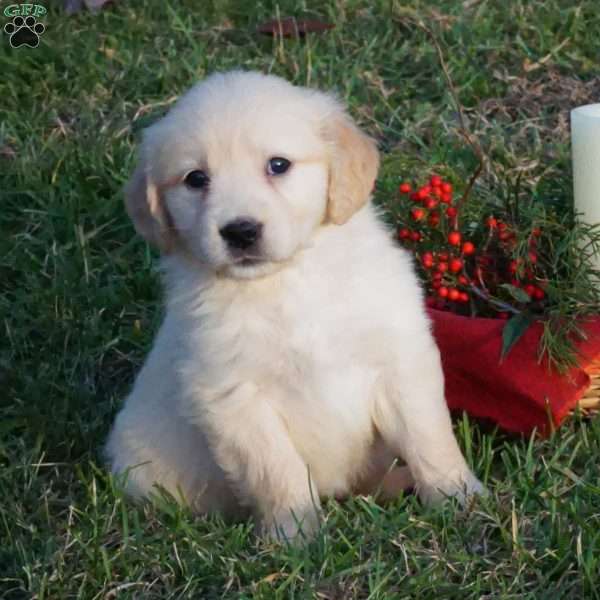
[547,100]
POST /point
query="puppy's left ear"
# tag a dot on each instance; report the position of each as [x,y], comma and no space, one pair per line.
[353,169]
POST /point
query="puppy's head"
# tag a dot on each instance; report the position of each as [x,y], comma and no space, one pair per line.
[244,169]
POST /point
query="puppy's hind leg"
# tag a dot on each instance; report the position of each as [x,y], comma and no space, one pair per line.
[412,416]
[384,478]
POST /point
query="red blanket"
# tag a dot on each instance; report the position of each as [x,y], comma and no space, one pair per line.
[519,393]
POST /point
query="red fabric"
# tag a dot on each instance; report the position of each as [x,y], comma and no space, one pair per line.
[519,393]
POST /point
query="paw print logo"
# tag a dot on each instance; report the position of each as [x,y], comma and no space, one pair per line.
[24,32]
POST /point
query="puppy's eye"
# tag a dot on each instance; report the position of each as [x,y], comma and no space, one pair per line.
[278,165]
[196,179]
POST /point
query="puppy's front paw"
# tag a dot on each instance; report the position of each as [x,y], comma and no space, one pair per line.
[292,526]
[462,486]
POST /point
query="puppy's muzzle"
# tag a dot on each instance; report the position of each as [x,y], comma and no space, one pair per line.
[242,233]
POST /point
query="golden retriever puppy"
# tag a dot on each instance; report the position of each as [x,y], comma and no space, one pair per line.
[295,360]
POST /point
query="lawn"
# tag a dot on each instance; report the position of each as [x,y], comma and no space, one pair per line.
[80,295]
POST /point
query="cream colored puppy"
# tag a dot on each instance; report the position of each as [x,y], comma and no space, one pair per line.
[295,360]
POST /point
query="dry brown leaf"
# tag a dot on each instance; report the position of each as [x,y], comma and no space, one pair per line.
[445,21]
[7,151]
[108,52]
[532,66]
[271,578]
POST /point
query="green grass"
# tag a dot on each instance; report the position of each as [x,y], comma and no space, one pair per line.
[80,298]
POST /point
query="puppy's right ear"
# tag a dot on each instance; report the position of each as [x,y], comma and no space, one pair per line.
[147,211]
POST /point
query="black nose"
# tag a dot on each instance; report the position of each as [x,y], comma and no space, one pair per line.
[241,233]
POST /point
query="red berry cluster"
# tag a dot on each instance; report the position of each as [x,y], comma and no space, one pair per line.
[445,251]
[430,200]
[459,275]
[497,267]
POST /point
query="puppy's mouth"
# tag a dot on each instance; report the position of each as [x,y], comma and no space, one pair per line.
[248,260]
[250,266]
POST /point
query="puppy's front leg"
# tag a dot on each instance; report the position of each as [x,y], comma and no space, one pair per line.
[251,444]
[413,418]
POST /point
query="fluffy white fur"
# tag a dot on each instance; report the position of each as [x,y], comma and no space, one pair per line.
[300,375]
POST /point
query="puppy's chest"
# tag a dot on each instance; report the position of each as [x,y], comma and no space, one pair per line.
[293,340]
[302,345]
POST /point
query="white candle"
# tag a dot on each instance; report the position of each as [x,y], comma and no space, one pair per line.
[585,145]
